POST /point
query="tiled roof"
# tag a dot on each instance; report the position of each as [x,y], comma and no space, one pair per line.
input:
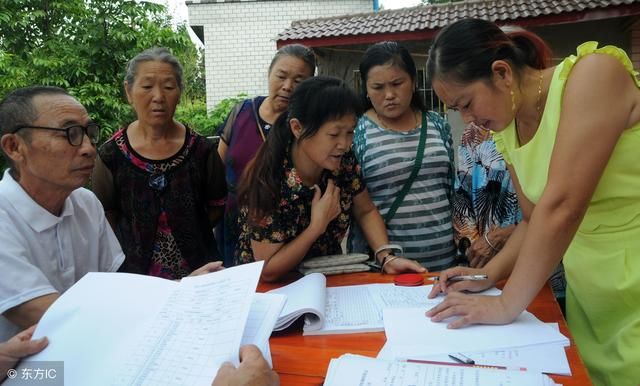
[436,16]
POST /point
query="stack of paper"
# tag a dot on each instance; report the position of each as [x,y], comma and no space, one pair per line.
[117,328]
[520,344]
[358,370]
[544,358]
[305,296]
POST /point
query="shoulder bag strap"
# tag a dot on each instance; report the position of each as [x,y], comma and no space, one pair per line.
[254,108]
[414,172]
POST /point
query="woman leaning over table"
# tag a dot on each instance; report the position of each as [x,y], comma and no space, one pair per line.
[298,194]
[249,124]
[570,135]
[161,184]
[407,159]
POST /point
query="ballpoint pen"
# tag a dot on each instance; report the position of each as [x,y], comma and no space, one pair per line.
[461,358]
[464,277]
[496,367]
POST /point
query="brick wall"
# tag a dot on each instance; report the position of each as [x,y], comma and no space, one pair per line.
[240,38]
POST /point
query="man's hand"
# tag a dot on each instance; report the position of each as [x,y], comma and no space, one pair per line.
[253,370]
[19,347]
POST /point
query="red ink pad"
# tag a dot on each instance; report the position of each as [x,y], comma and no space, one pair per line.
[409,280]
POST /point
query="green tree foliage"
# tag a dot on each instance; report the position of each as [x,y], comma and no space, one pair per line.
[195,114]
[84,45]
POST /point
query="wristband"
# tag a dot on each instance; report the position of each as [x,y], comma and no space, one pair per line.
[393,247]
[387,260]
[489,243]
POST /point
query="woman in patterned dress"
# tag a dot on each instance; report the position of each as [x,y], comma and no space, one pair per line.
[298,195]
[161,184]
[485,209]
[247,127]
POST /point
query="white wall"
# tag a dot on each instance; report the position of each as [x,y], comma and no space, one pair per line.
[240,38]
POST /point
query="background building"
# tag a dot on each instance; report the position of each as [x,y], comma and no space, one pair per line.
[339,42]
[240,37]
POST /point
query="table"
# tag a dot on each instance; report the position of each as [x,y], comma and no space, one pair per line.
[303,360]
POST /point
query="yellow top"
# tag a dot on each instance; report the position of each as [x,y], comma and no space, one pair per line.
[602,263]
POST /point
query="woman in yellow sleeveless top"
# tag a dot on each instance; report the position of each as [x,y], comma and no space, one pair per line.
[571,137]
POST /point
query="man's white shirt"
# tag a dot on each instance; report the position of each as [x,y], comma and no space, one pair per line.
[41,253]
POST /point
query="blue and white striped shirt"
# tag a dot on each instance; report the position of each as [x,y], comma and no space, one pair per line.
[422,224]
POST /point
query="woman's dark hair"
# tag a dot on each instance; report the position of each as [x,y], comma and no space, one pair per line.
[465,50]
[299,51]
[392,53]
[314,102]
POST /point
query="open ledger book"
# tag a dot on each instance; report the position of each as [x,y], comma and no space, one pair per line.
[347,309]
[126,329]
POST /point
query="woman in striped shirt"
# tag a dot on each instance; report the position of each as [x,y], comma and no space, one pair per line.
[406,158]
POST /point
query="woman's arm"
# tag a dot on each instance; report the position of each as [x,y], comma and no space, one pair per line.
[222,150]
[587,135]
[281,258]
[226,131]
[374,230]
[367,216]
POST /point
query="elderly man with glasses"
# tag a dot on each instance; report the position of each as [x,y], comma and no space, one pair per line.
[52,231]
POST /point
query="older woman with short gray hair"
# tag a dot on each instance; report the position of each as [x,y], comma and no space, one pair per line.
[161,184]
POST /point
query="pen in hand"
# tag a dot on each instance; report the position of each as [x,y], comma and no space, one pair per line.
[464,277]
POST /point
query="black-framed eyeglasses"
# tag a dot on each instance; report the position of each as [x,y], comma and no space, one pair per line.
[75,133]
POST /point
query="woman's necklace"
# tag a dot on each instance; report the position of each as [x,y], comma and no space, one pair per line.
[539,98]
[538,105]
[384,125]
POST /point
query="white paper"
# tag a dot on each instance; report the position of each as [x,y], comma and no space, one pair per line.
[408,330]
[115,328]
[348,309]
[393,296]
[304,296]
[358,370]
[358,308]
[547,358]
[265,310]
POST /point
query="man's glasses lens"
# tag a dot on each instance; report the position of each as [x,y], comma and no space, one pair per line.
[76,134]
